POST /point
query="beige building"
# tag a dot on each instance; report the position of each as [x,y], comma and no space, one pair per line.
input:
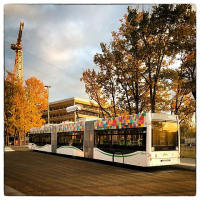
[58,113]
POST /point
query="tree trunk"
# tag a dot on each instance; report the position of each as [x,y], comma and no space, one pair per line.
[137,93]
[151,99]
[194,94]
[24,138]
[7,135]
[15,137]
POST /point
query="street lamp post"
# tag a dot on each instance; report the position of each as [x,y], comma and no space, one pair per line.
[47,86]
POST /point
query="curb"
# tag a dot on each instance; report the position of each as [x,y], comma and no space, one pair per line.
[188,167]
[8,149]
[8,191]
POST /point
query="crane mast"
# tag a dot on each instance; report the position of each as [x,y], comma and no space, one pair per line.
[18,68]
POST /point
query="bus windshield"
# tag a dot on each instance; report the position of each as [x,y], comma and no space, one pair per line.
[164,135]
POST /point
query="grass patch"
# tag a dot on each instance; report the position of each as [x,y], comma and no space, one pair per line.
[188,152]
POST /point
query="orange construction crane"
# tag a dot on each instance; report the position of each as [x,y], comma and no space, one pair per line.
[18,68]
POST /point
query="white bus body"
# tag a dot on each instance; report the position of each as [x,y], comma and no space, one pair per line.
[145,140]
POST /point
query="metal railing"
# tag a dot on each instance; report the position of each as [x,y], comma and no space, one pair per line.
[117,150]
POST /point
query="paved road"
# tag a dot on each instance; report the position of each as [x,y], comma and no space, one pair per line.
[39,174]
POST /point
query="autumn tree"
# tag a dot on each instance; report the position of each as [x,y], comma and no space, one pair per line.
[161,34]
[106,77]
[23,105]
[184,34]
[13,96]
[129,68]
[134,64]
[188,72]
[181,103]
[187,130]
[119,75]
[183,77]
[94,90]
[148,33]
[36,96]
[136,61]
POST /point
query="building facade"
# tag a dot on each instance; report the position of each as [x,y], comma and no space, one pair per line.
[58,113]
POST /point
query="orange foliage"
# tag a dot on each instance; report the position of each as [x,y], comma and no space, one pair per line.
[36,95]
[23,104]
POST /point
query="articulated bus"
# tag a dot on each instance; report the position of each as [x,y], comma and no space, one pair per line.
[145,140]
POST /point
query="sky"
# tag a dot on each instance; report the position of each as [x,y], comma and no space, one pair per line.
[59,42]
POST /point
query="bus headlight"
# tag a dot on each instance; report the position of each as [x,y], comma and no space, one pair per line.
[152,148]
[177,148]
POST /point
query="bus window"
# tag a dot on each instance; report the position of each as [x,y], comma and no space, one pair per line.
[105,139]
[118,139]
[77,138]
[164,135]
[47,138]
[70,139]
[31,138]
[64,139]
[41,139]
[102,139]
[36,139]
[136,139]
[125,140]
